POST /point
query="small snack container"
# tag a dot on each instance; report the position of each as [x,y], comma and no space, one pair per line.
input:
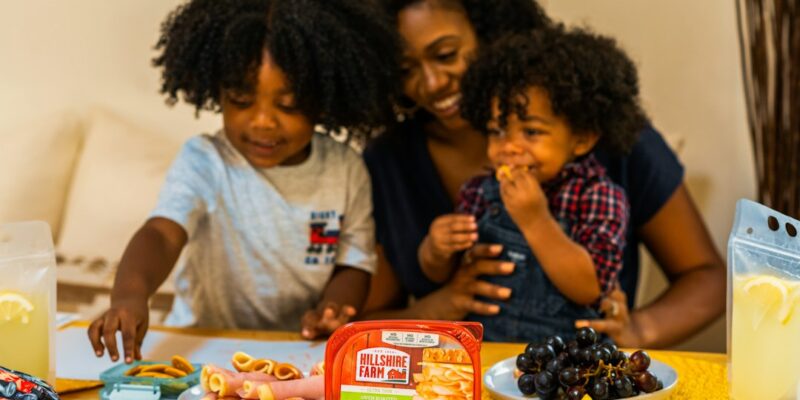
[121,382]
[403,360]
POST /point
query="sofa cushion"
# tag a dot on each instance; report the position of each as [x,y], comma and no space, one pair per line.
[37,160]
[115,186]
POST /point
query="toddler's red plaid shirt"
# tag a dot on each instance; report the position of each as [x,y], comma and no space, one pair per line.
[582,194]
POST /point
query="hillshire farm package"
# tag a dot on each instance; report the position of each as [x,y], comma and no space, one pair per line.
[404,360]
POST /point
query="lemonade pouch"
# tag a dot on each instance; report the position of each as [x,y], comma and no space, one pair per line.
[763,298]
[27,299]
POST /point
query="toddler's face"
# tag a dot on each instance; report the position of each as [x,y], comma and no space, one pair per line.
[264,125]
[537,139]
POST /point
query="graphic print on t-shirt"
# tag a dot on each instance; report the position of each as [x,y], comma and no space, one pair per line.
[324,229]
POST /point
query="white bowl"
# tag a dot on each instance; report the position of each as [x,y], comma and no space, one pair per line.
[500,382]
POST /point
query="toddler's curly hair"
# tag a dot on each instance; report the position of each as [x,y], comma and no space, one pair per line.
[339,56]
[590,82]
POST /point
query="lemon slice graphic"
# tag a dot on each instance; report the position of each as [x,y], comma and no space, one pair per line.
[14,306]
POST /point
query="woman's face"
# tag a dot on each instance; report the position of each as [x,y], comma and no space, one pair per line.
[439,44]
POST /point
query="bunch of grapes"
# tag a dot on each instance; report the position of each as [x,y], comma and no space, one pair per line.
[556,370]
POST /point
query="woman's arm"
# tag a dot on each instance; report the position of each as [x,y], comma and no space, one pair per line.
[682,246]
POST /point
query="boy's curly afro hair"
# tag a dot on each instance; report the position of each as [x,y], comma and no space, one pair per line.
[340,56]
[590,81]
[491,19]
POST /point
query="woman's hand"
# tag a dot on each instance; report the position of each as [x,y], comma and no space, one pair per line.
[618,323]
[457,298]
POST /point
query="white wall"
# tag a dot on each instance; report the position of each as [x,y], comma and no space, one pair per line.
[57,55]
[688,57]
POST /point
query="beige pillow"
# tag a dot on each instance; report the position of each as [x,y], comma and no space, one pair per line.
[115,187]
[37,159]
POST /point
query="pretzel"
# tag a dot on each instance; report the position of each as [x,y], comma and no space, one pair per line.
[242,362]
[285,372]
[182,364]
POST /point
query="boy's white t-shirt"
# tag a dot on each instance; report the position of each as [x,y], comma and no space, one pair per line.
[263,242]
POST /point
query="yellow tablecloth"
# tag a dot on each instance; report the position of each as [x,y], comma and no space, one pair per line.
[700,375]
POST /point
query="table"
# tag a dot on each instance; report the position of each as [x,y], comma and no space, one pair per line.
[700,375]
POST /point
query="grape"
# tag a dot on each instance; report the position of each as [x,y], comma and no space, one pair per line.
[646,381]
[553,366]
[585,357]
[611,347]
[525,363]
[569,376]
[619,358]
[575,393]
[529,349]
[543,353]
[526,384]
[563,358]
[639,361]
[623,386]
[599,389]
[556,343]
[601,354]
[572,350]
[545,382]
[586,337]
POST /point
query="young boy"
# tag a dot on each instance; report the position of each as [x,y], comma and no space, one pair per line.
[273,220]
[545,99]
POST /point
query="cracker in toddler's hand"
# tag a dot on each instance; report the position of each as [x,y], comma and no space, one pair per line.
[503,170]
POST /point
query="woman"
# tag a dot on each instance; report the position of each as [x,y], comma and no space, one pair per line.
[418,166]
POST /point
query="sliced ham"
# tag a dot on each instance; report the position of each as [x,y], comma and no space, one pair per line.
[306,388]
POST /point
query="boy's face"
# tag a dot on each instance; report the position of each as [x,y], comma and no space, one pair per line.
[537,140]
[264,125]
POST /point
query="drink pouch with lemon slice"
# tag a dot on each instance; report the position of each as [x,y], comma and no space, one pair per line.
[763,304]
[27,299]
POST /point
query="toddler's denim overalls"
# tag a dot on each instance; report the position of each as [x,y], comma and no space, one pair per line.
[536,308]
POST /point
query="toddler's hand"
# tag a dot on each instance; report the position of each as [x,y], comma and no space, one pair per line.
[130,318]
[452,233]
[523,196]
[324,320]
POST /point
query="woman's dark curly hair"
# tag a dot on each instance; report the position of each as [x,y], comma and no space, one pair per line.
[340,56]
[590,81]
[491,19]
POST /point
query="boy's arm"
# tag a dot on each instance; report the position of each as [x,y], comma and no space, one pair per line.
[348,287]
[343,298]
[148,259]
[586,264]
[146,263]
[568,265]
[574,266]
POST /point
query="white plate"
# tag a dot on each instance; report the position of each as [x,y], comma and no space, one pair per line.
[500,382]
[192,393]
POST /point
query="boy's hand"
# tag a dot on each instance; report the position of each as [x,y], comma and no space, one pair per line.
[523,196]
[131,318]
[324,320]
[452,233]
